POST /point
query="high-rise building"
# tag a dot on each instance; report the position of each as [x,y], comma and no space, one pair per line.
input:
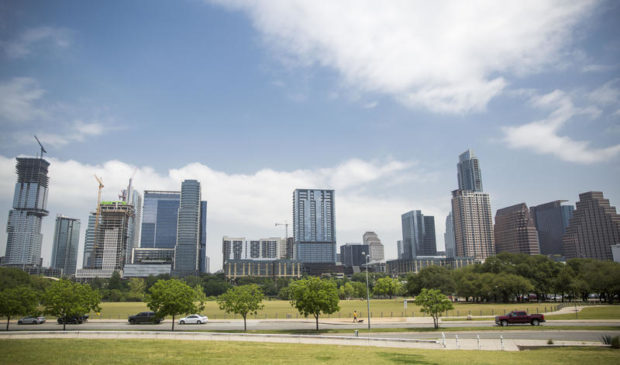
[473,224]
[24,236]
[159,219]
[353,254]
[418,235]
[551,220]
[448,237]
[238,248]
[314,227]
[132,197]
[469,175]
[400,252]
[110,240]
[515,231]
[187,249]
[593,229]
[89,241]
[374,245]
[66,241]
[202,261]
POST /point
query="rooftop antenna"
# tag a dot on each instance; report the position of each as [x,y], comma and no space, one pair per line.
[40,145]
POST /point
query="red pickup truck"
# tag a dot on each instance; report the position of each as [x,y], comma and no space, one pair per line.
[519,317]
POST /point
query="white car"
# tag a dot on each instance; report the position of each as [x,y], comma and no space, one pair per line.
[194,318]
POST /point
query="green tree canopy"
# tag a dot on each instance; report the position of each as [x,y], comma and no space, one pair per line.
[65,298]
[21,300]
[242,300]
[387,287]
[11,277]
[431,277]
[173,297]
[433,302]
[314,296]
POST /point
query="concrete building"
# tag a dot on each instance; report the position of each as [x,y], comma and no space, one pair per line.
[473,224]
[615,252]
[593,229]
[404,266]
[187,249]
[551,220]
[418,235]
[263,249]
[24,236]
[89,241]
[448,237]
[353,254]
[132,197]
[314,226]
[261,268]
[515,231]
[66,242]
[468,172]
[374,245]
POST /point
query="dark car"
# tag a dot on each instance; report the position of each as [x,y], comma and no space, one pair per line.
[31,320]
[144,317]
[520,317]
[73,319]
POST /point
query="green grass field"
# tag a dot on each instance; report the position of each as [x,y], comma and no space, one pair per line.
[378,307]
[602,312]
[47,351]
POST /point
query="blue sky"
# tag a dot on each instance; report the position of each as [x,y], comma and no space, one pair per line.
[256,99]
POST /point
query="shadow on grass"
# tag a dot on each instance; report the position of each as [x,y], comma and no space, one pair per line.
[404,358]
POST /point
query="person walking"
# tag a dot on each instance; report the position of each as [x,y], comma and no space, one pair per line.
[355,316]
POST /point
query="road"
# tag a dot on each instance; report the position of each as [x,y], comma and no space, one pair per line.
[230,325]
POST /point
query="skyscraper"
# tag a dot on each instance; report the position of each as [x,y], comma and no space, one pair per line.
[468,172]
[132,197]
[418,235]
[89,241]
[593,229]
[515,231]
[187,249]
[66,241]
[110,237]
[473,224]
[314,225]
[160,218]
[400,252]
[374,245]
[551,220]
[203,263]
[24,236]
[353,254]
[448,237]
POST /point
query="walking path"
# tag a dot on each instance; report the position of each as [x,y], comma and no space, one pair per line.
[451,343]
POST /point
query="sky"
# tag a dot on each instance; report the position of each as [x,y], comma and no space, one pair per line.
[254,99]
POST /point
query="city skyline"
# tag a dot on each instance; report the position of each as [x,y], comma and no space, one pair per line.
[327,108]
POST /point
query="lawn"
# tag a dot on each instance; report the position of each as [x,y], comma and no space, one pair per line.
[379,308]
[599,312]
[206,352]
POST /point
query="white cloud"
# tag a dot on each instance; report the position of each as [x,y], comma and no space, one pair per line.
[241,204]
[24,44]
[78,131]
[607,94]
[543,137]
[18,99]
[447,56]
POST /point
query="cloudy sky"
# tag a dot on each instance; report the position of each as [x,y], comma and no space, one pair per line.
[254,99]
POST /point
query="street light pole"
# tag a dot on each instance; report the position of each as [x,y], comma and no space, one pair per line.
[367,290]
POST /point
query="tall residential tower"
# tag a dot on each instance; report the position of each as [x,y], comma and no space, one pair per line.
[314,226]
[66,240]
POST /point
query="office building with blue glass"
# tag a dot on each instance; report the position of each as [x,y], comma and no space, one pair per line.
[187,249]
[159,219]
[66,241]
[551,220]
[314,228]
[418,235]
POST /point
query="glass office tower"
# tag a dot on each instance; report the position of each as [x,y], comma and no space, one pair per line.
[187,250]
[159,219]
[66,241]
[314,225]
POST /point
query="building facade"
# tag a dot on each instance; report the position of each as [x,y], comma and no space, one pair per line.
[404,266]
[448,237]
[374,245]
[66,242]
[515,231]
[593,229]
[353,254]
[160,216]
[260,268]
[314,226]
[202,259]
[551,220]
[24,236]
[187,249]
[263,249]
[418,235]
[132,197]
[468,172]
[473,224]
[89,241]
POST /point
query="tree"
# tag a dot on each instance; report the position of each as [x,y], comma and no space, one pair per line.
[11,277]
[431,277]
[17,301]
[387,287]
[68,299]
[314,296]
[137,288]
[242,300]
[359,289]
[173,297]
[346,291]
[433,303]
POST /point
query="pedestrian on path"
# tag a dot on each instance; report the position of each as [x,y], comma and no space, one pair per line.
[355,316]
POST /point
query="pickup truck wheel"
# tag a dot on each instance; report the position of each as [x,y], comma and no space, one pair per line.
[504,323]
[131,321]
[182,322]
[535,322]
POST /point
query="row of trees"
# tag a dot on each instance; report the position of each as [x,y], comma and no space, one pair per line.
[512,277]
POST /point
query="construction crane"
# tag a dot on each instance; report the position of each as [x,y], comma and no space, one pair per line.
[97,214]
[285,224]
[40,145]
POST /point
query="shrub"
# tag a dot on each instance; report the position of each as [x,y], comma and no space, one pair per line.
[549,342]
[615,342]
[606,339]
